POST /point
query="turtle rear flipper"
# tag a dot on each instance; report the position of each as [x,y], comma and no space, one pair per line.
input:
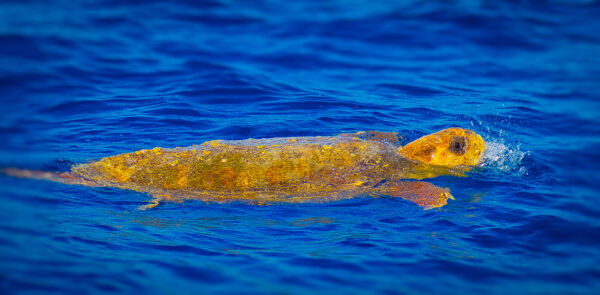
[153,203]
[62,177]
[157,198]
[421,193]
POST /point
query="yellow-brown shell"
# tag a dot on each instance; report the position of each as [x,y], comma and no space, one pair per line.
[293,164]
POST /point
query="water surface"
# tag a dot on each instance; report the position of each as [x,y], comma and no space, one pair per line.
[81,80]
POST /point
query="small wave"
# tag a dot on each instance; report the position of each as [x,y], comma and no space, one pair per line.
[504,159]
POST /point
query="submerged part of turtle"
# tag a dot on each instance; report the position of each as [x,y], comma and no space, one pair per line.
[299,169]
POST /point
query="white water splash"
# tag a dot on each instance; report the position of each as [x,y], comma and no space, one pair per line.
[503,159]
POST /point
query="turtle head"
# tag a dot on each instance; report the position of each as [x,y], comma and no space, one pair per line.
[450,147]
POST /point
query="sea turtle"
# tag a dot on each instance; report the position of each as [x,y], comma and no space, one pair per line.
[293,169]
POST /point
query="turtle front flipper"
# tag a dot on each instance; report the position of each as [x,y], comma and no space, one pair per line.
[421,193]
[383,137]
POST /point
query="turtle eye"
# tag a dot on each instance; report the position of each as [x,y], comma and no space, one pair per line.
[458,145]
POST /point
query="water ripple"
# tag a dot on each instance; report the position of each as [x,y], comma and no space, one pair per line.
[84,80]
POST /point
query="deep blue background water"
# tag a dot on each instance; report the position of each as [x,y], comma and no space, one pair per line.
[80,80]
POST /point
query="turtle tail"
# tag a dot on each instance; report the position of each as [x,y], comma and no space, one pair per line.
[62,177]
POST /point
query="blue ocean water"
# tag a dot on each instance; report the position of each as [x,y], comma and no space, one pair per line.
[81,80]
